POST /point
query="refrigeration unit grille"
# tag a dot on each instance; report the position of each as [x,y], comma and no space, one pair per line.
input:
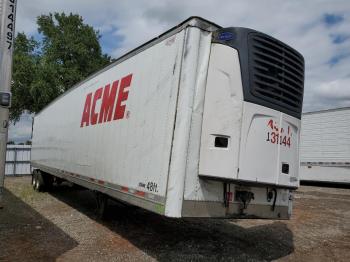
[276,72]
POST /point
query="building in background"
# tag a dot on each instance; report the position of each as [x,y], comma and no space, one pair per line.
[325,146]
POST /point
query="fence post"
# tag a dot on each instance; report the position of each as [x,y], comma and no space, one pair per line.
[15,161]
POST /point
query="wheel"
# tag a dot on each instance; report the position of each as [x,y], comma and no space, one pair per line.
[38,181]
[33,179]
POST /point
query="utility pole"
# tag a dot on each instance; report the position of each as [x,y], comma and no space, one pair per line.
[7,36]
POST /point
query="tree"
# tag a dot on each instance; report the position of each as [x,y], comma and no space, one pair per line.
[68,52]
[25,64]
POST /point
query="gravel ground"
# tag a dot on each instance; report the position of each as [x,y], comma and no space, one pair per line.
[61,225]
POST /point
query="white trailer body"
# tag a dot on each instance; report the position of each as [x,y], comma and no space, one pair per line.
[182,134]
[325,146]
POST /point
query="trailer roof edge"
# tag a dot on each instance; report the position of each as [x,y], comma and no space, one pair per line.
[193,21]
[327,110]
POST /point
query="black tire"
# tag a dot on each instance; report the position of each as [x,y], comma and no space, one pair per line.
[38,181]
[33,178]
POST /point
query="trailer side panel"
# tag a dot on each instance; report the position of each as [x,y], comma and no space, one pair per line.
[325,146]
[121,145]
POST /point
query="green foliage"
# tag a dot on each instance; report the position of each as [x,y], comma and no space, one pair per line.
[25,64]
[68,52]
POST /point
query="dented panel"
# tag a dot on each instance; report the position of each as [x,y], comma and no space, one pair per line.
[222,117]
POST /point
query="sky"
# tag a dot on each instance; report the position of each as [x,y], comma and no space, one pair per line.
[318,29]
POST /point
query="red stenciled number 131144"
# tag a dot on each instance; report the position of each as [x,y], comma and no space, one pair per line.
[276,136]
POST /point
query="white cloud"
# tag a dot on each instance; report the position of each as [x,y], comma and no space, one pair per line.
[334,90]
[298,23]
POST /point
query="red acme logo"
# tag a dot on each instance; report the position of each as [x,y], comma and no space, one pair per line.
[109,106]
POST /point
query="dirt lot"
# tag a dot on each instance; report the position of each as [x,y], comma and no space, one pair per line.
[62,226]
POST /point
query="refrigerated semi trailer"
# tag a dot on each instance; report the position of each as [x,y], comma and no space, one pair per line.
[325,146]
[201,121]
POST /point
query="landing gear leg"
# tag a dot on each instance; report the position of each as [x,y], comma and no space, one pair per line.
[102,203]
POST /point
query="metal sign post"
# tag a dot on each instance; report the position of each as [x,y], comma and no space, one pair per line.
[7,35]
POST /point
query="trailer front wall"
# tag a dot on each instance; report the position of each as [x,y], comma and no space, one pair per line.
[131,153]
[220,108]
